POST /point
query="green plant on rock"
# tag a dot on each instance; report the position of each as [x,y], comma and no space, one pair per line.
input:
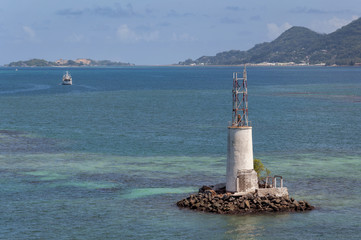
[260,169]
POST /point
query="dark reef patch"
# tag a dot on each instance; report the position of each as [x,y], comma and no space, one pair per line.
[21,142]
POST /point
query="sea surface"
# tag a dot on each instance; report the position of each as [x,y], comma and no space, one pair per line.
[109,157]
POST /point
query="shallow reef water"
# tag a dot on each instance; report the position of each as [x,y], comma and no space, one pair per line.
[109,157]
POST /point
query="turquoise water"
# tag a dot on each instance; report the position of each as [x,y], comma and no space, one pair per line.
[108,157]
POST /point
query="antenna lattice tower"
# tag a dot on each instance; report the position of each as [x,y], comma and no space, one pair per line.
[240,100]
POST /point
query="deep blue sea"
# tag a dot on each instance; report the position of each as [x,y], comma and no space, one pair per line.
[108,157]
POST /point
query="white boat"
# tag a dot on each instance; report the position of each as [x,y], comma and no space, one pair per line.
[67,79]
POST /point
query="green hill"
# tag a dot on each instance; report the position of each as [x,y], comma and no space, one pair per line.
[31,63]
[298,45]
[65,63]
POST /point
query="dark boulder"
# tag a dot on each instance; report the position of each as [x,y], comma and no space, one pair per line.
[209,200]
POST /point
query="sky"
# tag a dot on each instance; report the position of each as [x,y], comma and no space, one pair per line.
[156,32]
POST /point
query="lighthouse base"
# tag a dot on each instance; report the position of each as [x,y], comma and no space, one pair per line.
[247,181]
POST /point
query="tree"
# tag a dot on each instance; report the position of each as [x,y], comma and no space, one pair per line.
[260,169]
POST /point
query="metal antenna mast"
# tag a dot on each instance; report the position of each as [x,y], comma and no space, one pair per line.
[240,100]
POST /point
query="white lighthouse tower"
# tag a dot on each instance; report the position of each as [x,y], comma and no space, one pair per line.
[241,177]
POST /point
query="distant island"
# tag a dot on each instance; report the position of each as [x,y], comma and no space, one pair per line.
[80,62]
[296,46]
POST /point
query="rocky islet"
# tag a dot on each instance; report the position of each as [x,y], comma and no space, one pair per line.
[221,202]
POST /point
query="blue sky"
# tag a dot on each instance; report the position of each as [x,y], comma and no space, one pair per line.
[154,32]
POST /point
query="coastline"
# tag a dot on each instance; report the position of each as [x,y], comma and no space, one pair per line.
[193,66]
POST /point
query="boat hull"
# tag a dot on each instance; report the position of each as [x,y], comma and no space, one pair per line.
[67,83]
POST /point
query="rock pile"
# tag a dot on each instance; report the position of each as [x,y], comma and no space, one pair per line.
[208,200]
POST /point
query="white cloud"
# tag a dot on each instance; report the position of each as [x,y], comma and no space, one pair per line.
[183,37]
[151,36]
[274,30]
[332,24]
[337,22]
[29,31]
[74,38]
[124,33]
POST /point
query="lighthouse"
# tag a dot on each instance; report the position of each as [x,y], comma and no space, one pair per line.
[242,179]
[241,176]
